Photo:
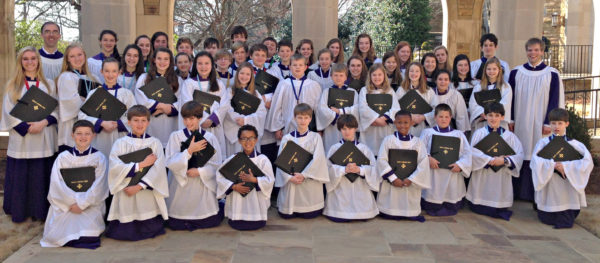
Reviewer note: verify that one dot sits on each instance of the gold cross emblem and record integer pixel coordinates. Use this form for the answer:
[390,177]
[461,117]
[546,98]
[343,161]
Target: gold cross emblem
[495,150]
[79,186]
[561,155]
[380,108]
[104,107]
[295,160]
[403,166]
[35,107]
[342,103]
[159,95]
[350,160]
[445,151]
[414,106]
[243,107]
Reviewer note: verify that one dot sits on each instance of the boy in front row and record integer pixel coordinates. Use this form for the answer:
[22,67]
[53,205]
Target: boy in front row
[560,196]
[398,198]
[301,193]
[76,219]
[137,212]
[447,191]
[491,193]
[193,190]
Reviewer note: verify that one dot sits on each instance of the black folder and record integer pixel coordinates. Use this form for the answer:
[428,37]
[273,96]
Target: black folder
[486,97]
[380,103]
[340,98]
[243,102]
[559,150]
[395,86]
[265,83]
[414,103]
[198,159]
[403,162]
[205,99]
[466,94]
[35,105]
[79,179]
[356,84]
[494,145]
[136,157]
[293,158]
[85,86]
[445,149]
[159,90]
[238,164]
[349,153]
[104,106]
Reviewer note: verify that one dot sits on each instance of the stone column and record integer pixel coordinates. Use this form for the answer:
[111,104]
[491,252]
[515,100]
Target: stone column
[116,15]
[514,22]
[316,20]
[154,15]
[461,36]
[7,42]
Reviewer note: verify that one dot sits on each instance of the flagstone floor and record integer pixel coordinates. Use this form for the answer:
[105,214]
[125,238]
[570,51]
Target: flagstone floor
[466,237]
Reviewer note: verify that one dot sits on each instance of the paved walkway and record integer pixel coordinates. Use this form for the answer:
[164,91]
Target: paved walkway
[466,237]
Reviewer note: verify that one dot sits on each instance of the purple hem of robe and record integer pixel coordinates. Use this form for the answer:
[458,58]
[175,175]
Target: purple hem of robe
[136,230]
[562,219]
[443,209]
[495,212]
[523,185]
[26,188]
[193,224]
[244,225]
[307,215]
[411,218]
[84,242]
[344,220]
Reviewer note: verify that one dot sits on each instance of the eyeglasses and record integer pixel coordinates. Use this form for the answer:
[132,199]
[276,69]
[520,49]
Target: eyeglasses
[247,139]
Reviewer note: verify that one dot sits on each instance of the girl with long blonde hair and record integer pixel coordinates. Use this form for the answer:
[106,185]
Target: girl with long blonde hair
[31,145]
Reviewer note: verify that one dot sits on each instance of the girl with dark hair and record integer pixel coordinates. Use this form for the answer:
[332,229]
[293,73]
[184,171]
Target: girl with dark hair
[132,66]
[429,62]
[204,79]
[108,48]
[164,116]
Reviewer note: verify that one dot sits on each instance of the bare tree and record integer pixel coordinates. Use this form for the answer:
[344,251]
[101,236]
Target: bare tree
[216,18]
[58,11]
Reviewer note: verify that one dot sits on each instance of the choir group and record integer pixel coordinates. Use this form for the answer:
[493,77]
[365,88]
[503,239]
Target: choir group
[184,141]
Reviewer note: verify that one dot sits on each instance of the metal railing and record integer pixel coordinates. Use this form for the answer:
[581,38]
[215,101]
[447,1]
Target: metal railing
[582,94]
[570,60]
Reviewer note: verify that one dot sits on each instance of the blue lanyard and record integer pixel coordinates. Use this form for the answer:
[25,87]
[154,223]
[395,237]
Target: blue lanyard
[130,86]
[297,95]
[88,84]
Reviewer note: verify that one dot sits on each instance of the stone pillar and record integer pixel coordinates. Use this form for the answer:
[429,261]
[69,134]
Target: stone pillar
[316,20]
[514,22]
[154,15]
[7,42]
[116,15]
[463,30]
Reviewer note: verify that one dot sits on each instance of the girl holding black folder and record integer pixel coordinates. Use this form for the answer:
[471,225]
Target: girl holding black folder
[107,132]
[374,126]
[461,77]
[244,82]
[204,79]
[414,79]
[164,116]
[31,145]
[491,79]
[68,84]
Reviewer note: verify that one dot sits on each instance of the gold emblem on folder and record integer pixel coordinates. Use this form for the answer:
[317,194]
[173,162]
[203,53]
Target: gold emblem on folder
[295,160]
[561,155]
[495,150]
[35,107]
[79,186]
[341,103]
[243,107]
[403,166]
[159,95]
[380,108]
[104,107]
[350,160]
[445,151]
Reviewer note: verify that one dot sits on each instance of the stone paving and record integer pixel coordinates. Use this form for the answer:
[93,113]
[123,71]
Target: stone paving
[466,237]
